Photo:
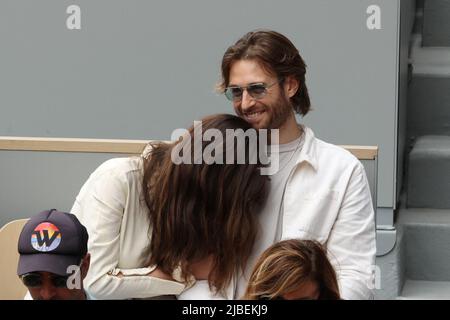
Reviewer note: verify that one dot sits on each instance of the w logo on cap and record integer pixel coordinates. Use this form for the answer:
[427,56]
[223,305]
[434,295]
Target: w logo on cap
[45,237]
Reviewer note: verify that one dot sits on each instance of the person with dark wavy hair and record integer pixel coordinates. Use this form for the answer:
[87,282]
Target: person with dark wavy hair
[320,190]
[157,226]
[293,270]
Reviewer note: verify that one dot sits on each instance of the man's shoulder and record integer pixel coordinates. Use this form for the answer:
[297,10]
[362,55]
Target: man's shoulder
[330,152]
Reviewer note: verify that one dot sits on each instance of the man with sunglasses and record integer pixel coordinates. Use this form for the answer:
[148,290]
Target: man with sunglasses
[53,257]
[320,190]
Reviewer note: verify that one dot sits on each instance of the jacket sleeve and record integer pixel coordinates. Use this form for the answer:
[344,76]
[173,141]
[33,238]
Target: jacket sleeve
[100,207]
[351,244]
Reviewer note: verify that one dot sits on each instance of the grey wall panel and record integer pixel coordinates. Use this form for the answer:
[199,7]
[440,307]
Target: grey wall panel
[140,69]
[353,80]
[35,181]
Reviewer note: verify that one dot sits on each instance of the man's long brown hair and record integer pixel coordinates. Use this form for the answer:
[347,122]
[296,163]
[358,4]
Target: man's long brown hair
[284,266]
[198,210]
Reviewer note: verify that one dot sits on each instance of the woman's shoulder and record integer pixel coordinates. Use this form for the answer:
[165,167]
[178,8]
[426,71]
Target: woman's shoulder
[119,167]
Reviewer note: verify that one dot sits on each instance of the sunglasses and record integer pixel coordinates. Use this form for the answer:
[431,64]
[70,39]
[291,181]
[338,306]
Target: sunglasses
[255,90]
[34,280]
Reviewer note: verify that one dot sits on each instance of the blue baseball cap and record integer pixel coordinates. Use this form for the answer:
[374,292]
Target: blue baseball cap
[51,241]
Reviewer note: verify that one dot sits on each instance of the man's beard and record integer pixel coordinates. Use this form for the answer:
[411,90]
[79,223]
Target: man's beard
[278,112]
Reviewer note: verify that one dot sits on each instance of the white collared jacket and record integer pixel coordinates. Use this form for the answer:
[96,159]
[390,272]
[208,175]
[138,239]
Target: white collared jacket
[328,199]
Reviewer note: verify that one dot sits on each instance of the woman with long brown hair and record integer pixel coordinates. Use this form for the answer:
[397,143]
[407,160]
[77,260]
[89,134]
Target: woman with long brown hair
[293,270]
[155,225]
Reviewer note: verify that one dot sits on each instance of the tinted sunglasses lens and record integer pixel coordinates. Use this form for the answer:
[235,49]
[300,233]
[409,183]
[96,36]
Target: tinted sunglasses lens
[257,90]
[233,93]
[59,281]
[32,280]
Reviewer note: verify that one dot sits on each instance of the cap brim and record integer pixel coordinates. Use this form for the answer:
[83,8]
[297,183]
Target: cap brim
[45,262]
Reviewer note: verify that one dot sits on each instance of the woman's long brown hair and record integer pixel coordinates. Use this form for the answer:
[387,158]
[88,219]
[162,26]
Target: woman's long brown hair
[198,210]
[284,266]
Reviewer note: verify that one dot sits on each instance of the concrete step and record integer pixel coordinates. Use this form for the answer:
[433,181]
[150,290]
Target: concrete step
[428,106]
[419,265]
[436,23]
[428,184]
[428,60]
[426,237]
[425,290]
[429,90]
[420,258]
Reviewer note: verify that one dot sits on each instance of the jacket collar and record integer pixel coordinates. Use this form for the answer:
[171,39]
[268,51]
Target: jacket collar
[308,153]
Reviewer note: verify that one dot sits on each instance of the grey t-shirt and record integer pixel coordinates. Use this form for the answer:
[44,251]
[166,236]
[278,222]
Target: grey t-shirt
[271,216]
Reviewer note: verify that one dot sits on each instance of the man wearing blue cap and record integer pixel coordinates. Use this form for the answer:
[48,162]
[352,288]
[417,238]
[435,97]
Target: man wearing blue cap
[53,256]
